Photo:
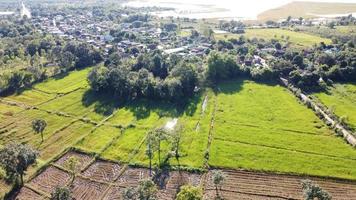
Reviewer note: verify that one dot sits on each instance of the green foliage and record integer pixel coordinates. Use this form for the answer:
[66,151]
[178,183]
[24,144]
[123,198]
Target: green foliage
[222,67]
[72,164]
[313,191]
[39,125]
[146,190]
[15,159]
[218,178]
[147,76]
[61,193]
[341,97]
[189,192]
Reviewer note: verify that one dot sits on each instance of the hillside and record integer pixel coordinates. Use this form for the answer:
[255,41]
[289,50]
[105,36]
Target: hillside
[307,10]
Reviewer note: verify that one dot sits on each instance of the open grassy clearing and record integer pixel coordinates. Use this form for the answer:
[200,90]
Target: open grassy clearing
[297,39]
[257,130]
[341,99]
[65,84]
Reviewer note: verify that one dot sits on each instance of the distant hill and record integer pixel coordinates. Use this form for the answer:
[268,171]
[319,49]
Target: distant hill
[307,10]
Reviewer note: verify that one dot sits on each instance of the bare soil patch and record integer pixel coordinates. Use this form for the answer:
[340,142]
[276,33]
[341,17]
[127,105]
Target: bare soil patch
[49,179]
[273,186]
[132,177]
[26,194]
[83,159]
[114,193]
[177,179]
[87,189]
[103,171]
[93,184]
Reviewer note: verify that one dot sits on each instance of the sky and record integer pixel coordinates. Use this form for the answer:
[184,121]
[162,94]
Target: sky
[243,8]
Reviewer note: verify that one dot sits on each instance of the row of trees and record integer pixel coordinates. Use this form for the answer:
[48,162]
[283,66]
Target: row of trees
[152,76]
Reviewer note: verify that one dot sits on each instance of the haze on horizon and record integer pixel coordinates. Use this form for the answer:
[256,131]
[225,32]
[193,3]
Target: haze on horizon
[219,8]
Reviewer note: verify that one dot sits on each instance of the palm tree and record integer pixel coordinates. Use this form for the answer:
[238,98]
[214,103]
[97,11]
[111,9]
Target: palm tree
[159,135]
[149,149]
[39,125]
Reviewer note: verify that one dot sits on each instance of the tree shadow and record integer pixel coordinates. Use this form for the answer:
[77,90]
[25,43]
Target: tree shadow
[105,104]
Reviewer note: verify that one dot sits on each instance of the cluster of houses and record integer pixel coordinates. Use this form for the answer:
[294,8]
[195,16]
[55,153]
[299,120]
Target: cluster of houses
[97,33]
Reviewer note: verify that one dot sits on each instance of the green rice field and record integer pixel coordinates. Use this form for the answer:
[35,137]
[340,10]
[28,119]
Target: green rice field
[341,99]
[250,125]
[265,128]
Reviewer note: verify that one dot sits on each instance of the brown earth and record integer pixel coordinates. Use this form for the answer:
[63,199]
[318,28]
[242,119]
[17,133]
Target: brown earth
[103,171]
[258,185]
[83,159]
[108,180]
[49,179]
[27,194]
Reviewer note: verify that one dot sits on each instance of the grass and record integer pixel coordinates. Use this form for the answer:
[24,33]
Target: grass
[122,149]
[8,111]
[297,39]
[263,127]
[73,81]
[194,137]
[30,97]
[341,99]
[257,126]
[99,139]
[71,103]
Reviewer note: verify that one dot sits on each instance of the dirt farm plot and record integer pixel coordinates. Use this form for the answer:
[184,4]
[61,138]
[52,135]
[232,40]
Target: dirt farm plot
[107,180]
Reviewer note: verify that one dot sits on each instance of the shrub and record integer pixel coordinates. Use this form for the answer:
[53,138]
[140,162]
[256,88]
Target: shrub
[189,192]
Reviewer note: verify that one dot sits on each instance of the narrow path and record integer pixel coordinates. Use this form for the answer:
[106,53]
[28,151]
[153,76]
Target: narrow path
[348,136]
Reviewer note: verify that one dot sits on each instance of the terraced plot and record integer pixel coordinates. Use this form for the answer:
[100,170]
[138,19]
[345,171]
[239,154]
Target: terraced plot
[342,100]
[263,127]
[8,110]
[194,124]
[107,180]
[74,80]
[30,97]
[100,139]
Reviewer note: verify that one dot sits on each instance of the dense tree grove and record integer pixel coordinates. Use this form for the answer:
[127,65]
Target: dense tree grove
[151,75]
[222,67]
[26,56]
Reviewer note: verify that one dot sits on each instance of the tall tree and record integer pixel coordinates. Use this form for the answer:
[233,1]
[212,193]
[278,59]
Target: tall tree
[218,179]
[149,150]
[159,136]
[15,159]
[39,125]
